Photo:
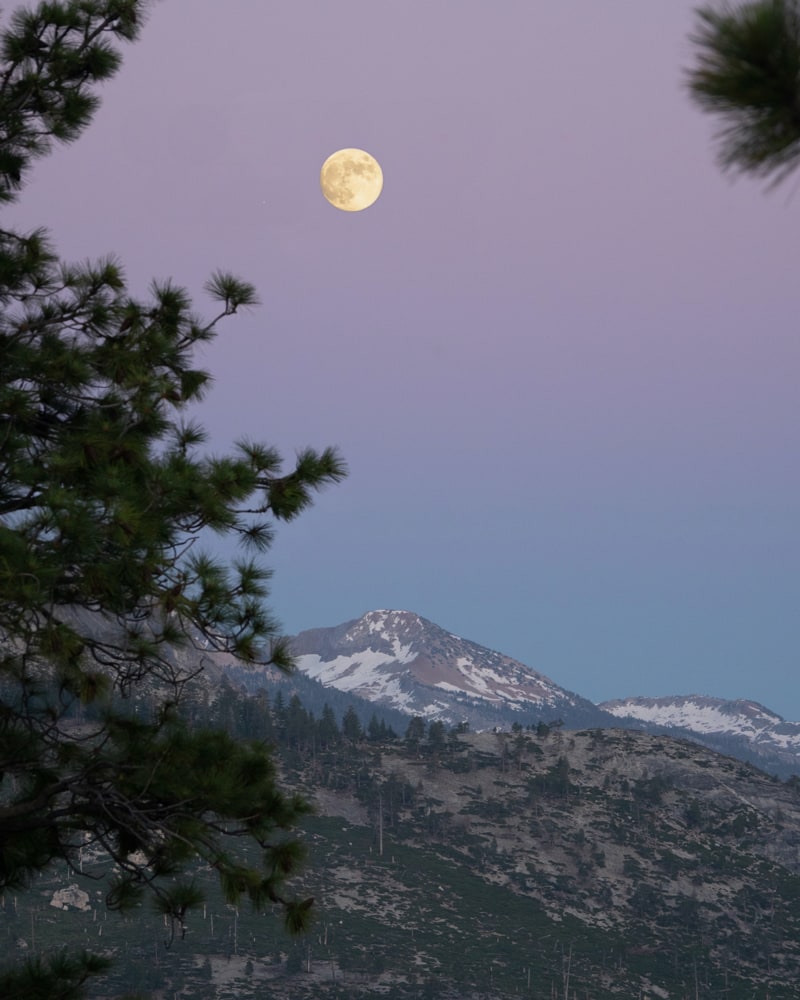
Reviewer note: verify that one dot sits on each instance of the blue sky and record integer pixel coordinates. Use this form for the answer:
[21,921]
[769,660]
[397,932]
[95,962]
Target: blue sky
[560,353]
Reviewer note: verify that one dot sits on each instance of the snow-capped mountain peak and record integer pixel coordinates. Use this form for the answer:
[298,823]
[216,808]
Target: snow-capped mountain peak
[402,660]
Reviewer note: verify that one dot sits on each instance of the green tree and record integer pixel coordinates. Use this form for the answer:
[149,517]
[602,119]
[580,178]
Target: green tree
[328,733]
[105,597]
[747,74]
[374,732]
[436,734]
[299,724]
[256,718]
[415,731]
[351,726]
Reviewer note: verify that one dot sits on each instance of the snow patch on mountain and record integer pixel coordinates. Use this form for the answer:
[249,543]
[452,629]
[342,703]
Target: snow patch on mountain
[403,661]
[696,712]
[398,658]
[362,670]
[712,717]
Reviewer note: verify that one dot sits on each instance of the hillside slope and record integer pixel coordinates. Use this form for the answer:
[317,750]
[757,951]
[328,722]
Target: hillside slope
[647,860]
[739,727]
[401,662]
[601,863]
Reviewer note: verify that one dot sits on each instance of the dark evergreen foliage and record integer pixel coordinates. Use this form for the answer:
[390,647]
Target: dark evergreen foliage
[351,726]
[747,73]
[315,696]
[60,977]
[105,493]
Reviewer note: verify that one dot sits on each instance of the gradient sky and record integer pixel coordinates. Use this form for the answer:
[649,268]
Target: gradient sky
[561,353]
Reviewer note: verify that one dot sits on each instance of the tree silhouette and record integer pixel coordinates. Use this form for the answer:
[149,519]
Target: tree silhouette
[747,74]
[106,601]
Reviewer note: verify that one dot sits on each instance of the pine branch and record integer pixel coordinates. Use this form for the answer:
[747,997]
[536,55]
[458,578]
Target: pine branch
[748,75]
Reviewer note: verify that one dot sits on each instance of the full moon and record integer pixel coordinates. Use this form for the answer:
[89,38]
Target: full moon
[351,179]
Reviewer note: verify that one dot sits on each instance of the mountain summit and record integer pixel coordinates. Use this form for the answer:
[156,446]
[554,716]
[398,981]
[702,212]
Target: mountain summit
[398,659]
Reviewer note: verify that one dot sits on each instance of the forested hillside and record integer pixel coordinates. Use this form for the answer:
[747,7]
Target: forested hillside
[538,863]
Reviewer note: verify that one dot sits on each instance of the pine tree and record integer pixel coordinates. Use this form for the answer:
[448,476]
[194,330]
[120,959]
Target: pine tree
[747,73]
[105,597]
[415,732]
[328,734]
[351,726]
[373,729]
[436,734]
[299,725]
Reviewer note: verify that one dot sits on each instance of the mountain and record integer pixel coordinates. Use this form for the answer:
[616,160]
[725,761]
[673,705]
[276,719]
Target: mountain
[400,660]
[737,727]
[594,863]
[602,865]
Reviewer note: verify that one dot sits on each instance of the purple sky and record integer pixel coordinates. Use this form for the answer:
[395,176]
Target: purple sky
[561,352]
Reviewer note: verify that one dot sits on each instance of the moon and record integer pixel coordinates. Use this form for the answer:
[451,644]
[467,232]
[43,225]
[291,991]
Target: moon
[351,179]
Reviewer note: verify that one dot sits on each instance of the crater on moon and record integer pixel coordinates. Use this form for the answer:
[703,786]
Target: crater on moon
[351,179]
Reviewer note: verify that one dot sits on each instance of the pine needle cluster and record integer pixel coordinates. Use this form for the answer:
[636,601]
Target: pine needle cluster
[747,74]
[106,495]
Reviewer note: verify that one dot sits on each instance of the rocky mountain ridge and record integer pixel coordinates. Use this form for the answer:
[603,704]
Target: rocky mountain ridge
[606,864]
[738,726]
[399,660]
[704,714]
[632,862]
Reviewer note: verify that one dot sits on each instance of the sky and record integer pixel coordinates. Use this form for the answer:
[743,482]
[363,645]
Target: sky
[560,353]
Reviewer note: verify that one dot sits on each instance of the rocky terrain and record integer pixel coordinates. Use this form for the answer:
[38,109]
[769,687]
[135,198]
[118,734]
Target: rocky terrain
[535,858]
[399,661]
[742,728]
[662,856]
[541,863]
